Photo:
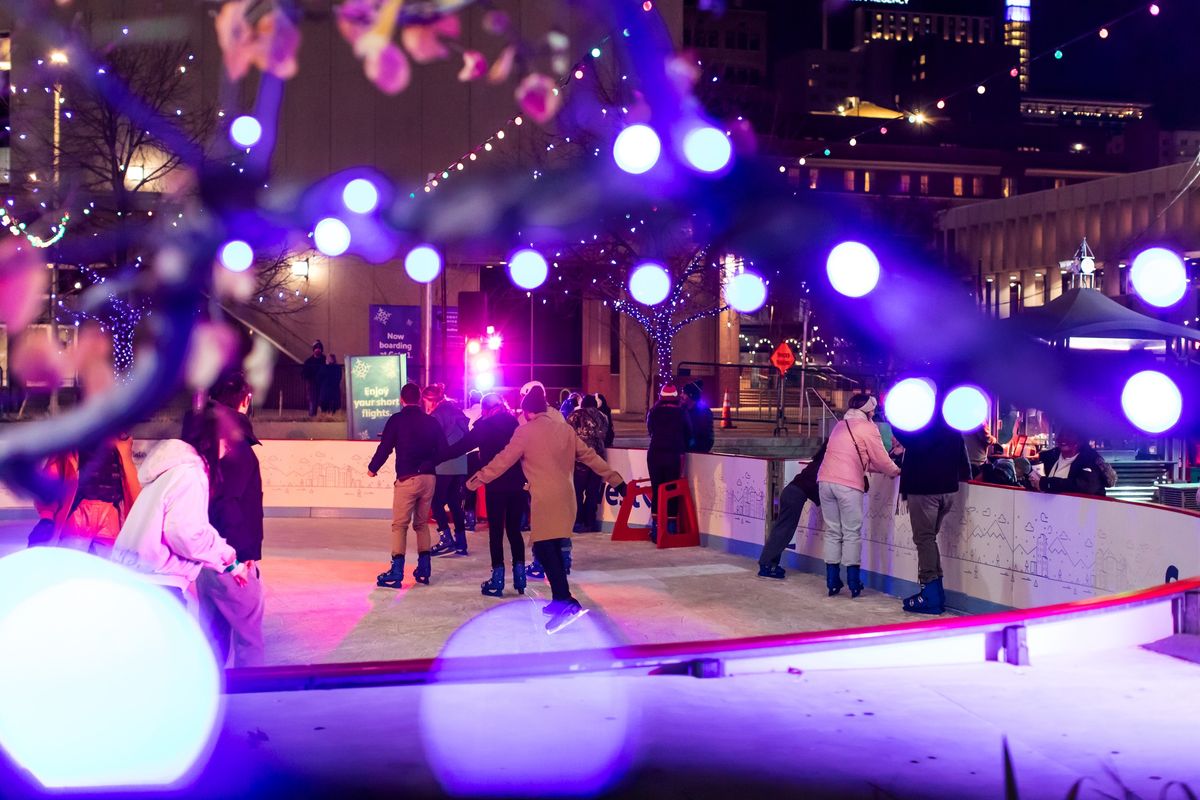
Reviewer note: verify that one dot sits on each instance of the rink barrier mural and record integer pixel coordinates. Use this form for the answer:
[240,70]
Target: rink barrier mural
[1001,548]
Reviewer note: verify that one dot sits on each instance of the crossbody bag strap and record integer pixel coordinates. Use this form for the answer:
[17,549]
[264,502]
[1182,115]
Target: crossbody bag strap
[850,430]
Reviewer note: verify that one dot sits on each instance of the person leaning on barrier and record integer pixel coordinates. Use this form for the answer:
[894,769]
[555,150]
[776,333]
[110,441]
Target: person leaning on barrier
[791,503]
[935,463]
[1074,467]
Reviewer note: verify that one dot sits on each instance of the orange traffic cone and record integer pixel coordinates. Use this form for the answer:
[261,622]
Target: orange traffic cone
[726,412]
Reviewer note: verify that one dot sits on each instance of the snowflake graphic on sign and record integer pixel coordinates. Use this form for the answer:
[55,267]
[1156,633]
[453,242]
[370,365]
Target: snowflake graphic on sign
[361,369]
[391,369]
[382,316]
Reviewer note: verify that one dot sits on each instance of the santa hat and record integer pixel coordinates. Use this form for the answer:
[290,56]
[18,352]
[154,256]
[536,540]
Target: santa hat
[669,391]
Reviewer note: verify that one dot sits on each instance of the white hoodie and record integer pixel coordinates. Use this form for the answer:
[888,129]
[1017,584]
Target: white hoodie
[167,533]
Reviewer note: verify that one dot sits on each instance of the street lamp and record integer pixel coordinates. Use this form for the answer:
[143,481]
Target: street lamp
[57,58]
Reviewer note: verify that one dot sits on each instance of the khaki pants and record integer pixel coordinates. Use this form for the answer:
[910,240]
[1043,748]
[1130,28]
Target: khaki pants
[411,501]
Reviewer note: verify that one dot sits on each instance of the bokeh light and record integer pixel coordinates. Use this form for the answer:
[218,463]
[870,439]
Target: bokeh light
[707,149]
[1152,401]
[245,131]
[853,269]
[146,716]
[746,293]
[1159,277]
[423,263]
[911,403]
[649,283]
[528,269]
[360,196]
[965,408]
[636,149]
[331,236]
[237,256]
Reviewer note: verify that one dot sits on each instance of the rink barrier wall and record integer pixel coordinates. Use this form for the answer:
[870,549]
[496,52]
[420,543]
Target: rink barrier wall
[1001,548]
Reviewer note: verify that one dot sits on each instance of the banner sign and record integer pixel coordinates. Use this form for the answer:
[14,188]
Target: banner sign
[395,331]
[373,393]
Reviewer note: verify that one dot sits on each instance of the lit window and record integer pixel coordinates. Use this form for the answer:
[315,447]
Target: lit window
[848,180]
[866,181]
[924,184]
[905,184]
[958,186]
[977,186]
[814,178]
[1006,187]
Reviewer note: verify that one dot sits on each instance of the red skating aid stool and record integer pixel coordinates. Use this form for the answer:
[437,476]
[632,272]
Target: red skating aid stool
[622,530]
[687,528]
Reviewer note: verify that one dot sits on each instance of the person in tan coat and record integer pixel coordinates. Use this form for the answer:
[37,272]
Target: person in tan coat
[547,449]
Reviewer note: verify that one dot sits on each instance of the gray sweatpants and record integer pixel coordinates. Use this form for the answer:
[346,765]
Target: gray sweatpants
[842,511]
[233,614]
[926,513]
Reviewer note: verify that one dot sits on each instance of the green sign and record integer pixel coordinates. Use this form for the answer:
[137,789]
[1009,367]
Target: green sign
[373,393]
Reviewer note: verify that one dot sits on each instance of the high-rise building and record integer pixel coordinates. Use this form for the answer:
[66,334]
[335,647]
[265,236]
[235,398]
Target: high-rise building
[1016,34]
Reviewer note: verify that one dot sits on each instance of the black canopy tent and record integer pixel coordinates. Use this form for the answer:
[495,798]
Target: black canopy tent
[1088,313]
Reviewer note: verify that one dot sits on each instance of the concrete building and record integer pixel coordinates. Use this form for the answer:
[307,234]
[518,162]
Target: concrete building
[1011,251]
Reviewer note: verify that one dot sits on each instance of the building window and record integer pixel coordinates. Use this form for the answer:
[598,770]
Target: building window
[728,40]
[958,186]
[905,184]
[924,184]
[848,180]
[1007,189]
[922,61]
[814,178]
[977,186]
[1060,183]
[866,181]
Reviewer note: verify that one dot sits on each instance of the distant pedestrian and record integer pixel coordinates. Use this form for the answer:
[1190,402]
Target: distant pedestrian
[935,463]
[505,496]
[547,449]
[233,610]
[791,503]
[700,416]
[417,439]
[670,431]
[331,385]
[311,371]
[590,426]
[977,442]
[1073,467]
[853,450]
[448,497]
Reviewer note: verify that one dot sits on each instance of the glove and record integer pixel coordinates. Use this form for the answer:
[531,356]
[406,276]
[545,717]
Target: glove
[622,488]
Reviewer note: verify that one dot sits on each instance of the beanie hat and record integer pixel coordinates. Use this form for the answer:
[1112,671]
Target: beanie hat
[534,402]
[669,391]
[525,389]
[692,390]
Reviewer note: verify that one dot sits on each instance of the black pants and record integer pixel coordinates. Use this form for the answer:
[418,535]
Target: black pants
[549,554]
[664,467]
[589,489]
[791,503]
[448,492]
[311,394]
[473,466]
[504,510]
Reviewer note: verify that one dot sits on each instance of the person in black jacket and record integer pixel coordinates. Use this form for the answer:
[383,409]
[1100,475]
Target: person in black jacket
[935,462]
[233,608]
[670,433]
[331,386]
[504,497]
[417,439]
[605,409]
[701,418]
[791,503]
[310,372]
[1074,467]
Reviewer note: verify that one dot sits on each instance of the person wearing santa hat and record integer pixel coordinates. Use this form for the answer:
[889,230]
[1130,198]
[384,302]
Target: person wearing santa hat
[670,432]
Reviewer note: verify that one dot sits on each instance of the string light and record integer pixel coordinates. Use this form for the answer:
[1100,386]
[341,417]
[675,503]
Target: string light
[18,229]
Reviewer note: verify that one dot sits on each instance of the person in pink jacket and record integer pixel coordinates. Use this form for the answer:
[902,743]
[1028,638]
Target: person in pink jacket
[854,449]
[166,534]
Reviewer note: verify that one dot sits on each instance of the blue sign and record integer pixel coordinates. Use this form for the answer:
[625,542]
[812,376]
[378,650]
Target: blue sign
[396,330]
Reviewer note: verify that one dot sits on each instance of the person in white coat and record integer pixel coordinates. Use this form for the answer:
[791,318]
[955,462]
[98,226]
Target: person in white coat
[166,534]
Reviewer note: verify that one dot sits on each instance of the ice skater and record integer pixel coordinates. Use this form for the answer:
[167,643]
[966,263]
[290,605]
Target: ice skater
[547,449]
[505,497]
[854,448]
[416,439]
[451,475]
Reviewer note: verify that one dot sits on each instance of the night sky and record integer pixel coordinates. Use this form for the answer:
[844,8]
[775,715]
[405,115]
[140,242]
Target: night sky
[1146,58]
